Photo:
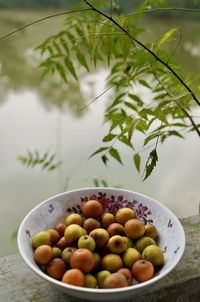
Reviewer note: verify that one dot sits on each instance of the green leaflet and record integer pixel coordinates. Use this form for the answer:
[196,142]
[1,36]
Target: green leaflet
[115,154]
[170,133]
[125,140]
[161,116]
[82,60]
[166,37]
[32,159]
[109,137]
[70,67]
[136,99]
[150,163]
[144,83]
[98,151]
[60,69]
[137,161]
[141,125]
[104,159]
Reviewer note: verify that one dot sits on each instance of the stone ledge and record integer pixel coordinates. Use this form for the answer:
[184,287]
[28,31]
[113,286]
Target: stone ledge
[19,284]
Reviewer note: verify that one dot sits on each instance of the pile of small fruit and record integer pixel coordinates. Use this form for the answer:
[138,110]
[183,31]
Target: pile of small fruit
[97,249]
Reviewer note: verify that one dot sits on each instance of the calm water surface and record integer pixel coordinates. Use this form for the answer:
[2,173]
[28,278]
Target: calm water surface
[45,116]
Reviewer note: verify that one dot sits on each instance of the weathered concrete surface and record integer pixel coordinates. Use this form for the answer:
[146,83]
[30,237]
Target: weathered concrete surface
[19,284]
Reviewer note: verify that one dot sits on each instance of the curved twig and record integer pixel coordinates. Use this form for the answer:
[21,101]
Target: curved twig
[42,19]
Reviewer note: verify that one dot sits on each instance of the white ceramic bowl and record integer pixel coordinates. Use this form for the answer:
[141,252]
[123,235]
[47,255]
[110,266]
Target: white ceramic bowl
[56,208]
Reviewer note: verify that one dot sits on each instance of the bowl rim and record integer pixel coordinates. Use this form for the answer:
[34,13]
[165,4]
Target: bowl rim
[133,287]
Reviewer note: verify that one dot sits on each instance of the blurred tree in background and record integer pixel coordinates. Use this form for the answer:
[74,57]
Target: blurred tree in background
[124,5]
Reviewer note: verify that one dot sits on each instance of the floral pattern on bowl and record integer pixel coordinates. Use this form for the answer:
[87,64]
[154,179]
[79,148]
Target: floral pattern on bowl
[113,204]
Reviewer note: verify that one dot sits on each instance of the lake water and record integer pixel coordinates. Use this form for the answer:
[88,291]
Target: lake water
[40,115]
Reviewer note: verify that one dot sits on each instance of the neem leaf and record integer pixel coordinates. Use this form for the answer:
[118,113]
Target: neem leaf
[137,161]
[99,151]
[144,83]
[150,163]
[125,140]
[104,159]
[109,137]
[115,154]
[166,36]
[61,71]
[70,67]
[82,60]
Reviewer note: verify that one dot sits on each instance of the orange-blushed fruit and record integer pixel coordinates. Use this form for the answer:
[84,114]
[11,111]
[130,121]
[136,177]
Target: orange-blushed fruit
[115,280]
[43,254]
[134,228]
[91,224]
[100,237]
[83,259]
[60,228]
[54,235]
[127,273]
[74,276]
[92,209]
[124,214]
[142,270]
[62,243]
[115,228]
[56,268]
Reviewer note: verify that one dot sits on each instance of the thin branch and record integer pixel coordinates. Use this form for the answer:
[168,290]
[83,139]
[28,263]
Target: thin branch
[43,19]
[179,9]
[101,94]
[147,49]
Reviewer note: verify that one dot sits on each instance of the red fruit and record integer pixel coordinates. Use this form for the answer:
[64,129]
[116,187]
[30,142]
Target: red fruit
[142,270]
[115,228]
[82,259]
[92,209]
[56,268]
[74,276]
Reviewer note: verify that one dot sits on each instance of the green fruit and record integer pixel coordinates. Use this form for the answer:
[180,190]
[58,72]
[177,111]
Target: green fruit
[124,214]
[86,242]
[57,252]
[41,238]
[129,242]
[111,262]
[90,281]
[153,254]
[97,259]
[107,219]
[144,242]
[74,218]
[151,231]
[66,254]
[73,232]
[117,244]
[130,256]
[101,276]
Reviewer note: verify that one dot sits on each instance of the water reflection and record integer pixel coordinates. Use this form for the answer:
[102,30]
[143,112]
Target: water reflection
[19,61]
